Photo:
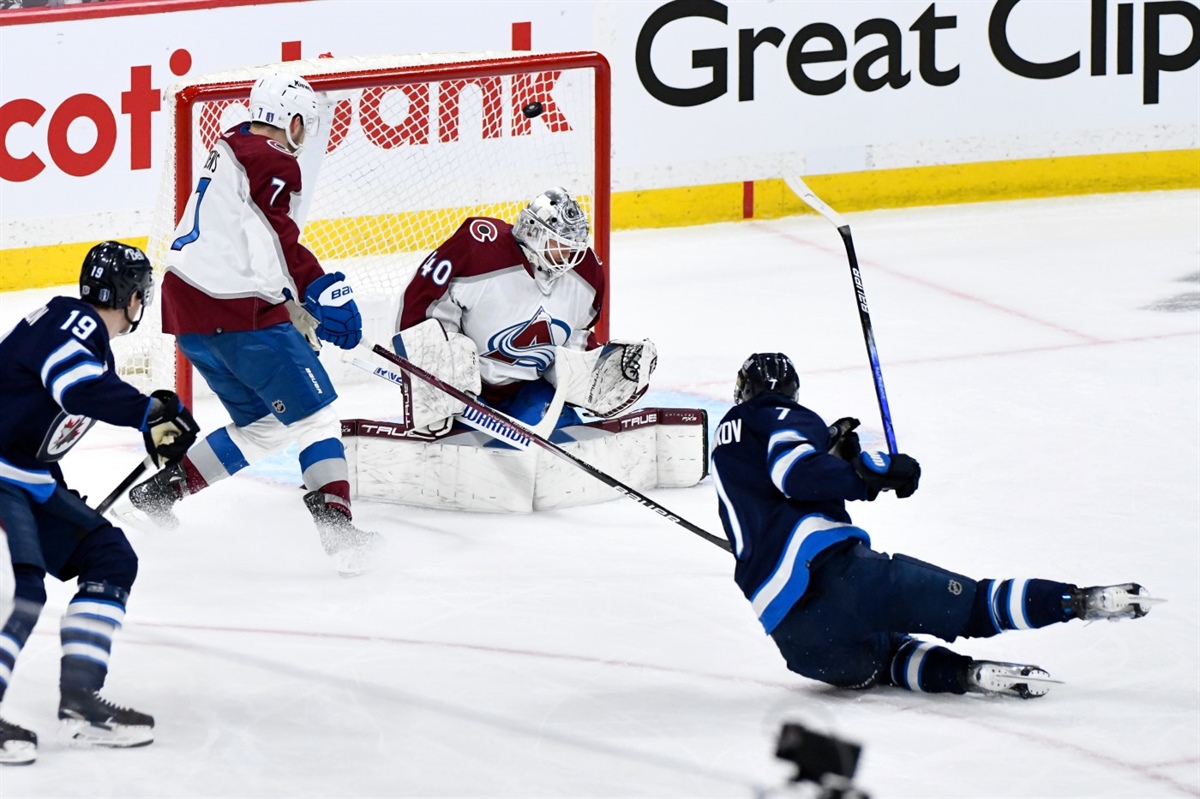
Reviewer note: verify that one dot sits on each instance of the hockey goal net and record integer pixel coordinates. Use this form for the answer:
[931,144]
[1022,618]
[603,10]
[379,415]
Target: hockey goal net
[408,147]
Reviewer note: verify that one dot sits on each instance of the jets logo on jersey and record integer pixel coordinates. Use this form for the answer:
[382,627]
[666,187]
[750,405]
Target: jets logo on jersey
[530,344]
[63,434]
[483,231]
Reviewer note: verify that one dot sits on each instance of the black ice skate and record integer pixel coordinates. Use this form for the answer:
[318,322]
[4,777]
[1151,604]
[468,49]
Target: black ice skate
[91,720]
[1011,679]
[157,496]
[1112,602]
[351,549]
[18,746]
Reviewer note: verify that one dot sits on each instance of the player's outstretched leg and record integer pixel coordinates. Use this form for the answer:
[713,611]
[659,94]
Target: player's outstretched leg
[930,668]
[352,549]
[18,746]
[1111,602]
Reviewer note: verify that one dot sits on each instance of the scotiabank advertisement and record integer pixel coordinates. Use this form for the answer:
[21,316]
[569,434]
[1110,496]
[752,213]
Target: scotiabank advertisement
[703,91]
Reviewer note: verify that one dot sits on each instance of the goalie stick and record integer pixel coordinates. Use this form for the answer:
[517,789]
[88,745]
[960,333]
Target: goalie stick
[801,190]
[511,432]
[124,485]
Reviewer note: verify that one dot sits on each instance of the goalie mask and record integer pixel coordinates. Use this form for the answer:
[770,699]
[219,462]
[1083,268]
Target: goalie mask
[112,273]
[277,99]
[766,373]
[553,231]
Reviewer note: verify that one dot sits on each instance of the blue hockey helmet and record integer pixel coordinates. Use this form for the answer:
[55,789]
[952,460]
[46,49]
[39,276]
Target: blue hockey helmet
[767,373]
[112,273]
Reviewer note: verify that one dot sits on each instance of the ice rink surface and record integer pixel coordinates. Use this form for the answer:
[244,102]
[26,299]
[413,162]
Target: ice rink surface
[1042,360]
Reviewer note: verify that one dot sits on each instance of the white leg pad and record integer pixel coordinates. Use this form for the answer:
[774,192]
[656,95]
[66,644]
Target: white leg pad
[647,449]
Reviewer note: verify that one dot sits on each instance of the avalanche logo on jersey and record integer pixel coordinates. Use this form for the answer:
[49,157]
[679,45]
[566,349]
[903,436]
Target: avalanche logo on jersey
[529,344]
[483,231]
[64,433]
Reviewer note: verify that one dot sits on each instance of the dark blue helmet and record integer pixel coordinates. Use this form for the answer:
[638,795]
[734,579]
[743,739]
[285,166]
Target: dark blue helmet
[113,272]
[767,373]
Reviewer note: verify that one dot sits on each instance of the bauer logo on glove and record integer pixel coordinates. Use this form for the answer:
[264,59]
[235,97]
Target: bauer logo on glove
[331,300]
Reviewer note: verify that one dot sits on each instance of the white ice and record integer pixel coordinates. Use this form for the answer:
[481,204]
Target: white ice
[1042,360]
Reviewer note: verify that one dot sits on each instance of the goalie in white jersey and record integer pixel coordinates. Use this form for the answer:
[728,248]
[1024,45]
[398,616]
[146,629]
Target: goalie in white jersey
[506,312]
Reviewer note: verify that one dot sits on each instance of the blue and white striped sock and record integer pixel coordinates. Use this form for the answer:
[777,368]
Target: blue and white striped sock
[92,617]
[926,667]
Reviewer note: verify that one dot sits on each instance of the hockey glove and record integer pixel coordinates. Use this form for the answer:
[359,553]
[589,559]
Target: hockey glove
[169,430]
[331,300]
[843,441]
[884,472]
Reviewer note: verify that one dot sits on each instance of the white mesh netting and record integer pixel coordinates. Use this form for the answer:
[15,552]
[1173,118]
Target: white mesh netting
[412,145]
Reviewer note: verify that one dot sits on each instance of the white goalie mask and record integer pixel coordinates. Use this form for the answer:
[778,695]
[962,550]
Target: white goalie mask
[276,99]
[553,231]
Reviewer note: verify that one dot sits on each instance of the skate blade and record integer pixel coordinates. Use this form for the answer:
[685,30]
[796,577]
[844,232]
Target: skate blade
[127,516]
[18,753]
[1037,678]
[80,733]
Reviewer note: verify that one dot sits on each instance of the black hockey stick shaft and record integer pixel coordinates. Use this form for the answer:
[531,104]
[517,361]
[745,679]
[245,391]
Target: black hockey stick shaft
[801,190]
[124,485]
[504,423]
[864,317]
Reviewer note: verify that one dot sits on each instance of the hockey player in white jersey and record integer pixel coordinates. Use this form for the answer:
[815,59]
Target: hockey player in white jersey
[507,311]
[235,261]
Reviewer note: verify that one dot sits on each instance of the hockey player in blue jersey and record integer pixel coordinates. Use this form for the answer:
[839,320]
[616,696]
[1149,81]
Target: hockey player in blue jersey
[56,377]
[839,611]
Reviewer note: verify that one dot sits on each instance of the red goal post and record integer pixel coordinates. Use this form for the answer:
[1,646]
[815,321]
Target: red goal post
[408,147]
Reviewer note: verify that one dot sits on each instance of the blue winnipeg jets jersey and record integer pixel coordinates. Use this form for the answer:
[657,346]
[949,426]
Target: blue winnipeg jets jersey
[782,498]
[56,378]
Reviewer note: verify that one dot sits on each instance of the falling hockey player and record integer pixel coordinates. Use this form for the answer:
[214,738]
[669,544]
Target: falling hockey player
[57,377]
[839,611]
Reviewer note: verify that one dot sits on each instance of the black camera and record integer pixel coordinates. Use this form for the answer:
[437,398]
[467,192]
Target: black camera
[823,760]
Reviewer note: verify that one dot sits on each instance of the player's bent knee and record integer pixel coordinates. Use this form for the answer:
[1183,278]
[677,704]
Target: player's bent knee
[320,426]
[106,556]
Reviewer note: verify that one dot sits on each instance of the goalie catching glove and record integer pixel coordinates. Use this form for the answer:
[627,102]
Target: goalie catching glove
[169,430]
[331,300]
[608,379]
[451,357]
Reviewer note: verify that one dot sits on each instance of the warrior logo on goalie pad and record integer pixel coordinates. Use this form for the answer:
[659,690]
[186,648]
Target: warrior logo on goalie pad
[530,344]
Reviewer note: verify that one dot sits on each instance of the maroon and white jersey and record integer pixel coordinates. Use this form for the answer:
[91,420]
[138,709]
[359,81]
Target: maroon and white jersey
[237,247]
[480,283]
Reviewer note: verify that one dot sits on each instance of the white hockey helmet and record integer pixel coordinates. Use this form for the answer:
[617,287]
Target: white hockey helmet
[276,99]
[553,231]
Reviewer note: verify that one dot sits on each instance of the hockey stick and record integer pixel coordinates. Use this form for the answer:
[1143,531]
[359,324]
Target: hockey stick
[801,190]
[124,485]
[515,434]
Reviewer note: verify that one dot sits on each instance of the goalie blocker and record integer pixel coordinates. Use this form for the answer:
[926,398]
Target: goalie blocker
[649,448]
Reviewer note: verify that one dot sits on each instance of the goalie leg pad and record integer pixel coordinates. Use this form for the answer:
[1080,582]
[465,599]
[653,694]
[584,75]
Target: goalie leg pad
[432,474]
